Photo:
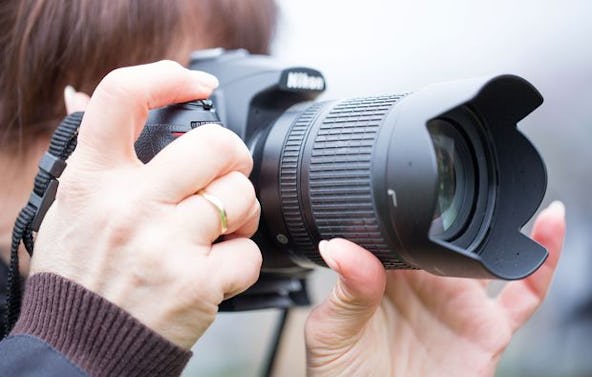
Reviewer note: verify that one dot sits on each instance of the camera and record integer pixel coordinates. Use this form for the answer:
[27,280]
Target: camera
[439,179]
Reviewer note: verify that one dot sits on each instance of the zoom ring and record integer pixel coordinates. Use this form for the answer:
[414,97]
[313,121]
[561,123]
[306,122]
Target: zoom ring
[340,181]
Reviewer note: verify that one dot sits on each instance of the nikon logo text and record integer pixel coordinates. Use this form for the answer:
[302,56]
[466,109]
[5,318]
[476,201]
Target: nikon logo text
[302,80]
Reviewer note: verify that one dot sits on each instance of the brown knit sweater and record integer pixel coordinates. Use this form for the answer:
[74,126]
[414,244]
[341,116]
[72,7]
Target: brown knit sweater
[99,337]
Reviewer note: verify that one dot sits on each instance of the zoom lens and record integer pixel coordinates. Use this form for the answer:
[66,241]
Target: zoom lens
[435,180]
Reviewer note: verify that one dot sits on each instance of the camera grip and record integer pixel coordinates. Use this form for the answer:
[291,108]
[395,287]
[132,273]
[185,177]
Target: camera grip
[164,125]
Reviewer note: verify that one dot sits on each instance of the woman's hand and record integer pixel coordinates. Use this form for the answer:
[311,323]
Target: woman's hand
[412,323]
[140,235]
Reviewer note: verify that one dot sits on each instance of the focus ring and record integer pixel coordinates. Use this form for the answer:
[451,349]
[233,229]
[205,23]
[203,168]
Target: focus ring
[290,164]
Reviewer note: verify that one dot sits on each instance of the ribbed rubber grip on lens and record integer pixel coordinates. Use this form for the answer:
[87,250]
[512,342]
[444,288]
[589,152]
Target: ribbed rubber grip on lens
[290,166]
[339,177]
[326,177]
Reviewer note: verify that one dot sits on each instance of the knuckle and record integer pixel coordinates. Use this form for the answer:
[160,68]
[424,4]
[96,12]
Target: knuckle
[251,262]
[169,64]
[217,135]
[113,78]
[255,210]
[258,257]
[226,143]
[244,157]
[255,260]
[147,266]
[201,292]
[124,218]
[125,213]
[242,185]
[254,217]
[115,86]
[251,222]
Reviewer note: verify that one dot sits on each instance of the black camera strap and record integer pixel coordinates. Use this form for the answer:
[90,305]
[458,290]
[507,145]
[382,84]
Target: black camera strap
[51,166]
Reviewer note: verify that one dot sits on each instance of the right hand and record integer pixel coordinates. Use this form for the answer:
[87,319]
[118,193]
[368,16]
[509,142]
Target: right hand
[139,235]
[413,323]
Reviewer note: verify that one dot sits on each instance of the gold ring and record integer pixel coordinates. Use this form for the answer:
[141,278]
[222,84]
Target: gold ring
[219,206]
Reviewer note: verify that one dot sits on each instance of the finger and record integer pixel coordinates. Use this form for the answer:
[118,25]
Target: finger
[237,264]
[250,224]
[520,299]
[119,106]
[75,101]
[193,160]
[354,299]
[202,218]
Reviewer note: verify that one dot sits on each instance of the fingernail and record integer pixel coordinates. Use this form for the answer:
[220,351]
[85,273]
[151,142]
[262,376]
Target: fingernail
[558,207]
[325,251]
[323,246]
[69,93]
[206,79]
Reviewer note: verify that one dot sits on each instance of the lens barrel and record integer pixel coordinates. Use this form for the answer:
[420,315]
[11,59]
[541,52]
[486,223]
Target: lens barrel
[325,176]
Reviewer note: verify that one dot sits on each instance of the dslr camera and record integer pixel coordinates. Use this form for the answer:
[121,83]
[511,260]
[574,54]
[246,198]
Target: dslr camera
[439,179]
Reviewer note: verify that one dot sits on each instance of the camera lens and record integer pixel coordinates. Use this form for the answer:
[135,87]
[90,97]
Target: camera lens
[456,187]
[435,179]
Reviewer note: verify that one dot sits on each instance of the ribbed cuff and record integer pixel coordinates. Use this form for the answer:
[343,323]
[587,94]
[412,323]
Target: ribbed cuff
[95,334]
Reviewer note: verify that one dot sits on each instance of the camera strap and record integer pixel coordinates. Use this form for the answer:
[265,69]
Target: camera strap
[51,166]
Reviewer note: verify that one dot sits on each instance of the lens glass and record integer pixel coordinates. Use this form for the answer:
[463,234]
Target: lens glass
[444,148]
[455,187]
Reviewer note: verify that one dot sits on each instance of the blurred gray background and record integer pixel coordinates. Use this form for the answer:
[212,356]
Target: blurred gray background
[390,46]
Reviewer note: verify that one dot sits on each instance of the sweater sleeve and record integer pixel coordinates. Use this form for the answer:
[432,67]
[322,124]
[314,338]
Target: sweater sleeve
[93,333]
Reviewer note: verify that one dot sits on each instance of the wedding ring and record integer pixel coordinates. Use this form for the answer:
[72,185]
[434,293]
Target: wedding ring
[219,207]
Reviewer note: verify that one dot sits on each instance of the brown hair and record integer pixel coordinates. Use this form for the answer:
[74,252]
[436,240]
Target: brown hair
[48,44]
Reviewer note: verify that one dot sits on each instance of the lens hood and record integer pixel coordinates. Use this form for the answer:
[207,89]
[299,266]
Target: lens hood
[510,185]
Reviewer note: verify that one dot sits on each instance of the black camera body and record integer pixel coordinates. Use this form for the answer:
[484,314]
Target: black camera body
[439,179]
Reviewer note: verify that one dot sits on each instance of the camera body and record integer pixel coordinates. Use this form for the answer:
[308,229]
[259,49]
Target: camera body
[439,179]
[252,95]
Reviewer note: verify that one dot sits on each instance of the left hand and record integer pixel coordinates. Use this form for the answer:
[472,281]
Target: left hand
[412,323]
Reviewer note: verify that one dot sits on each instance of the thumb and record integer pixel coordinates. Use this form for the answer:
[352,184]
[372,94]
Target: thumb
[75,101]
[340,319]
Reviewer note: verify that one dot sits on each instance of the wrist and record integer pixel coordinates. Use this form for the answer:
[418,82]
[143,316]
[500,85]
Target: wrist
[95,334]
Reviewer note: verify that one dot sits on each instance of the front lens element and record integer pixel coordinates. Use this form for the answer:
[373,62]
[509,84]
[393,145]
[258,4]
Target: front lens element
[444,148]
[455,188]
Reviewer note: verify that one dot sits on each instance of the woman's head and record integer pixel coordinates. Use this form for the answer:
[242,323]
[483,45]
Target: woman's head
[46,45]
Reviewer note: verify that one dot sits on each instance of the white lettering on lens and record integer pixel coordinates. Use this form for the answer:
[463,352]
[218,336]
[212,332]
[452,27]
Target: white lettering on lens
[302,80]
[393,195]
